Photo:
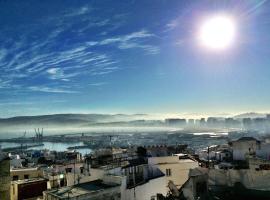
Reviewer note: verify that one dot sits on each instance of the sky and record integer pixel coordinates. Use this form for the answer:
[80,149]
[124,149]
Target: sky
[137,56]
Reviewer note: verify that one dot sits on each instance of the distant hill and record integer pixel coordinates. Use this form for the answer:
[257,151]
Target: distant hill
[68,119]
[250,115]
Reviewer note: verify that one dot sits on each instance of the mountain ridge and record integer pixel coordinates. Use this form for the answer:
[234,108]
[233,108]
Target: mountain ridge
[69,119]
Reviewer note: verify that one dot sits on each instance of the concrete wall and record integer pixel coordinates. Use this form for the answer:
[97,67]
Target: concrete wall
[106,194]
[179,168]
[94,175]
[264,151]
[16,162]
[31,172]
[145,191]
[251,179]
[241,148]
[27,190]
[4,179]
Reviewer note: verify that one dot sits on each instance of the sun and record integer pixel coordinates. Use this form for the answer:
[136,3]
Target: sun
[217,32]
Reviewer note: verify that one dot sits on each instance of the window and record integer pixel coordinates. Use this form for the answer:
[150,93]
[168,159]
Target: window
[168,172]
[68,170]
[15,178]
[130,170]
[137,169]
[82,169]
[26,176]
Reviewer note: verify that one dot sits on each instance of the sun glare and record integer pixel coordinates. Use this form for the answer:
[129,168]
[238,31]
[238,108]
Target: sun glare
[217,32]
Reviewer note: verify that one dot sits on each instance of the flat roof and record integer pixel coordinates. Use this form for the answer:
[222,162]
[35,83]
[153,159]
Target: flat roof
[81,189]
[32,180]
[24,169]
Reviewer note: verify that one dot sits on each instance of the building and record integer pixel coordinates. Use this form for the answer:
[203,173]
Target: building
[244,146]
[232,123]
[191,122]
[27,189]
[176,168]
[143,181]
[212,122]
[16,161]
[25,173]
[175,122]
[264,151]
[247,123]
[93,190]
[202,122]
[4,176]
[164,150]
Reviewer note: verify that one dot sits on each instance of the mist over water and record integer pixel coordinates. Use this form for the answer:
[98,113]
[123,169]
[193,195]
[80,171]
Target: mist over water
[30,132]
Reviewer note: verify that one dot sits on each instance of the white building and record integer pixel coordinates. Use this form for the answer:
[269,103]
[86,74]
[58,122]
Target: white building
[264,151]
[142,181]
[176,168]
[244,146]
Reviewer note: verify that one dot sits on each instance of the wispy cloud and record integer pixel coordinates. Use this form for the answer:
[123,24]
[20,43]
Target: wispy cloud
[172,25]
[79,11]
[130,41]
[36,59]
[180,42]
[98,84]
[58,73]
[50,89]
[5,83]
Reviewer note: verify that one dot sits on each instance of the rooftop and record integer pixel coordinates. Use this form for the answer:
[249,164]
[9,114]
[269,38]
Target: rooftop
[81,189]
[247,139]
[32,180]
[24,169]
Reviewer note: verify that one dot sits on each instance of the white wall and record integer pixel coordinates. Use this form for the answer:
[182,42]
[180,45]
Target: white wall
[241,148]
[145,191]
[94,175]
[16,163]
[179,168]
[264,151]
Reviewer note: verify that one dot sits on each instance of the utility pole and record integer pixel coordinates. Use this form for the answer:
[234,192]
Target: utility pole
[208,159]
[134,182]
[74,171]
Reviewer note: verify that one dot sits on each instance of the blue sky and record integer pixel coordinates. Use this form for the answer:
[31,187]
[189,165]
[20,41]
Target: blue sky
[134,56]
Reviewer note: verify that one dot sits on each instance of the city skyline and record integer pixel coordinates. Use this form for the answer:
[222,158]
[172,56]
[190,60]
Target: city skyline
[131,57]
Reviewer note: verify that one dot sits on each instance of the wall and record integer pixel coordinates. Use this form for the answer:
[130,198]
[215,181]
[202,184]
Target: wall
[179,168]
[106,194]
[264,151]
[16,162]
[241,148]
[251,179]
[145,191]
[31,172]
[27,189]
[94,175]
[4,179]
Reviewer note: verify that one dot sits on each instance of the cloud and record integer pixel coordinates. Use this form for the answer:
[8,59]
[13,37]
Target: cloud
[5,83]
[180,42]
[78,11]
[130,41]
[127,38]
[58,73]
[3,54]
[50,90]
[15,103]
[171,25]
[98,84]
[43,54]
